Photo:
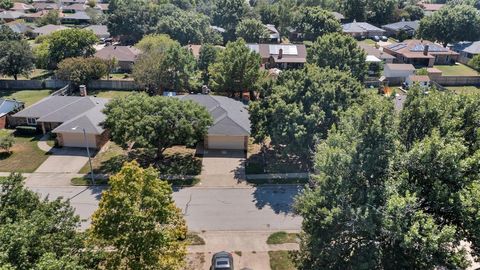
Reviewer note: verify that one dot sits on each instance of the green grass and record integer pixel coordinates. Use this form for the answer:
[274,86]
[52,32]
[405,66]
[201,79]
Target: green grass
[288,181]
[86,181]
[120,76]
[194,239]
[456,70]
[35,74]
[282,238]
[281,260]
[106,162]
[24,156]
[369,42]
[109,93]
[27,96]
[464,89]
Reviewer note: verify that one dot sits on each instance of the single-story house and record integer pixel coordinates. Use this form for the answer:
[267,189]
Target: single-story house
[430,8]
[274,35]
[79,17]
[467,50]
[7,108]
[362,30]
[231,123]
[46,6]
[398,73]
[102,6]
[125,55]
[409,27]
[10,16]
[421,53]
[377,53]
[21,7]
[33,17]
[67,117]
[74,8]
[71,2]
[19,28]
[281,55]
[422,80]
[338,16]
[48,29]
[101,31]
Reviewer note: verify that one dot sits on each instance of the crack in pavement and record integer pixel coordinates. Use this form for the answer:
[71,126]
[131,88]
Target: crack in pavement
[187,205]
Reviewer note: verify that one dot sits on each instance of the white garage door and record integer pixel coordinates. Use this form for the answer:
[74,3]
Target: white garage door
[78,140]
[226,142]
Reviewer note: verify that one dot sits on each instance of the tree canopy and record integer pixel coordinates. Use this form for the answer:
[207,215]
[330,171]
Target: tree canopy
[236,69]
[16,58]
[449,23]
[339,51]
[252,31]
[315,22]
[156,122]
[301,106]
[80,70]
[138,218]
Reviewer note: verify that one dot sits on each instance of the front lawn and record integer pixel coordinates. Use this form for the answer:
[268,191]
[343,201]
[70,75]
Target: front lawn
[24,156]
[27,96]
[282,238]
[456,70]
[464,89]
[281,260]
[178,160]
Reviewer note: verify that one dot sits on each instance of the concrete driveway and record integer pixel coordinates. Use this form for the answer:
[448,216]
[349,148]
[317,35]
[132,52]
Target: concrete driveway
[223,168]
[64,160]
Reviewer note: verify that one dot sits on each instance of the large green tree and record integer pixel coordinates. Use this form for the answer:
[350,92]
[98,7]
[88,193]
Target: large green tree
[228,13]
[301,106]
[65,44]
[449,23]
[6,34]
[339,51]
[237,69]
[355,9]
[137,217]
[362,212]
[169,70]
[381,12]
[151,43]
[16,58]
[208,55]
[156,122]
[6,4]
[252,31]
[36,233]
[315,22]
[80,70]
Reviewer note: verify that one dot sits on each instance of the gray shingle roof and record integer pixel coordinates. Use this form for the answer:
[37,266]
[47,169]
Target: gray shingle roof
[99,30]
[468,47]
[79,15]
[121,53]
[360,27]
[48,29]
[230,117]
[405,25]
[11,15]
[84,112]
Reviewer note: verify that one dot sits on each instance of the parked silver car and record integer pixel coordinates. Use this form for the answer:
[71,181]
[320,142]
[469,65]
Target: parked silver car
[222,261]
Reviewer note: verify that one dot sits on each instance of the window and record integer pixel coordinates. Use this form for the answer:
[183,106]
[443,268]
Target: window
[32,121]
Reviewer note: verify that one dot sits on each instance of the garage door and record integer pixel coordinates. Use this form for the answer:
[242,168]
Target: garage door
[226,142]
[78,140]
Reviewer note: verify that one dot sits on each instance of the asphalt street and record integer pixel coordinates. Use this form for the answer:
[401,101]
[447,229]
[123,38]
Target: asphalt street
[209,209]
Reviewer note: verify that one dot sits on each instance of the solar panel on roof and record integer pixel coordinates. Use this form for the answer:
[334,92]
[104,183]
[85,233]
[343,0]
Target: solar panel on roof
[431,48]
[287,49]
[396,47]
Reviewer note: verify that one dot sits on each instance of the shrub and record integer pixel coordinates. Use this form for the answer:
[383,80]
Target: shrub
[26,130]
[6,142]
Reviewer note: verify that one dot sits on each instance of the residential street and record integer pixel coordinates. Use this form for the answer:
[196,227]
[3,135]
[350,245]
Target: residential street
[220,209]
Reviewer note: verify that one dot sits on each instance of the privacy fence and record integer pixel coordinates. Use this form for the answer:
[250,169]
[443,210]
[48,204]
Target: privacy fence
[57,84]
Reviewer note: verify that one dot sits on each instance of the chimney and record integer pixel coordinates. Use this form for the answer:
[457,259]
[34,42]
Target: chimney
[83,90]
[425,49]
[280,54]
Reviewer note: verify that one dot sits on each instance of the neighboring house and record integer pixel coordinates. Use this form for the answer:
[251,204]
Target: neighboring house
[398,73]
[274,35]
[338,16]
[421,53]
[7,108]
[125,55]
[67,117]
[422,80]
[467,50]
[48,29]
[194,49]
[281,55]
[79,17]
[10,16]
[377,53]
[362,30]
[33,17]
[21,7]
[231,123]
[101,31]
[19,28]
[409,27]
[71,2]
[74,8]
[102,7]
[46,6]
[430,8]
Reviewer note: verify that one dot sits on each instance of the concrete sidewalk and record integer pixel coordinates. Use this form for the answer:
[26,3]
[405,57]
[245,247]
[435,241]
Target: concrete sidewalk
[249,249]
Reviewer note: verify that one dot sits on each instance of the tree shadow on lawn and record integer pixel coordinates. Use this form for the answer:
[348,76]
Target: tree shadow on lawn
[5,155]
[272,161]
[279,198]
[174,164]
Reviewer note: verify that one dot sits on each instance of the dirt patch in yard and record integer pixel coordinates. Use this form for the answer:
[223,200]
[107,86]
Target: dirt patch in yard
[196,261]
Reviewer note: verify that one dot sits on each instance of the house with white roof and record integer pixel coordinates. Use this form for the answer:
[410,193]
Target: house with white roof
[77,121]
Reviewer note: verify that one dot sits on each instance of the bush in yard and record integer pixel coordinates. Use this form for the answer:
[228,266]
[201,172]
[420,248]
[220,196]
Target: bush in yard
[26,130]
[475,62]
[6,142]
[80,70]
